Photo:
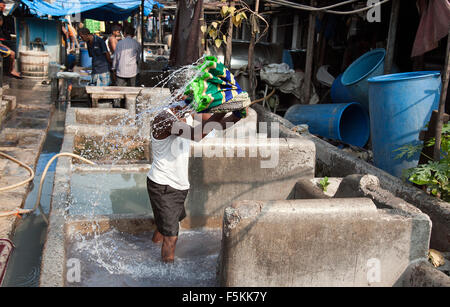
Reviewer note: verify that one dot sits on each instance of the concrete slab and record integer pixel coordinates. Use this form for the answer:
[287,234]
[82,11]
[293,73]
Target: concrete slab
[23,138]
[235,170]
[334,242]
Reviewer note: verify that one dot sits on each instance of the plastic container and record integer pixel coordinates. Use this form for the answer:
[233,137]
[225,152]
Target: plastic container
[86,60]
[347,122]
[71,58]
[339,93]
[324,77]
[356,76]
[400,107]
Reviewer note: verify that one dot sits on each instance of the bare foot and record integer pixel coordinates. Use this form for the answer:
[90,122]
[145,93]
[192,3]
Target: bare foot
[15,74]
[157,237]
[168,260]
[168,249]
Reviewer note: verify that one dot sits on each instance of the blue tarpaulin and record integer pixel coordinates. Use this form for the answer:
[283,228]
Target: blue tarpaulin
[105,10]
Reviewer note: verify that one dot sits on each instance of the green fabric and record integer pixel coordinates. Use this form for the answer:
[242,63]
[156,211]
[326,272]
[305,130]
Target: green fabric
[214,87]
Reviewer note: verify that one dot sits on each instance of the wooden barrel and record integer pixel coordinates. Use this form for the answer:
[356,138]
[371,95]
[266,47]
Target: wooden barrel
[34,64]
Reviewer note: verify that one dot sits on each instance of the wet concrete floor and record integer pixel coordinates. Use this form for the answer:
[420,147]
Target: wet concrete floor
[30,234]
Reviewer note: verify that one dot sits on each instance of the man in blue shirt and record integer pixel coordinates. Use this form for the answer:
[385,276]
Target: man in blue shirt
[101,59]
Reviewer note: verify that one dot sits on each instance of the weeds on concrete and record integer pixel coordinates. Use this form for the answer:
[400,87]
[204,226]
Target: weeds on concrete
[435,174]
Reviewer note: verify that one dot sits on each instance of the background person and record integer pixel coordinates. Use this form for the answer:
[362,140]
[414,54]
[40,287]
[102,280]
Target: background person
[111,44]
[113,39]
[6,52]
[72,33]
[126,59]
[101,58]
[8,26]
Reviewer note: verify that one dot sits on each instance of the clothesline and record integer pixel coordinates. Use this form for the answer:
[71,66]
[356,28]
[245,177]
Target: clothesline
[326,9]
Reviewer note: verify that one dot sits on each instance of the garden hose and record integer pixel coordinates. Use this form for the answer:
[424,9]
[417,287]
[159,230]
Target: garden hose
[18,212]
[24,166]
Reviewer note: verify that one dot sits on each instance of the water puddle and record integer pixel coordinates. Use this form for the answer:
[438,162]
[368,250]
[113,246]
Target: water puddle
[109,193]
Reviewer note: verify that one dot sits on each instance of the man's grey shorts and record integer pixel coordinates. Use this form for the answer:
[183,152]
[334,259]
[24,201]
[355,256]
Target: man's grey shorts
[168,207]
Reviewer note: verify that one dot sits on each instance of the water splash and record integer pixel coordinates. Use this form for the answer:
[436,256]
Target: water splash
[133,260]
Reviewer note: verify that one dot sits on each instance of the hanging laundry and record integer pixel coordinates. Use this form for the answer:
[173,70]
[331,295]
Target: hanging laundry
[216,89]
[434,25]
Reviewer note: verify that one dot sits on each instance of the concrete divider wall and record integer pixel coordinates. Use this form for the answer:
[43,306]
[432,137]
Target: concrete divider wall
[243,169]
[334,242]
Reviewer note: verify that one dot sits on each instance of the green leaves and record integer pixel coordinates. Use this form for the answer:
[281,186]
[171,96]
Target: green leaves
[433,175]
[324,183]
[237,19]
[214,29]
[408,150]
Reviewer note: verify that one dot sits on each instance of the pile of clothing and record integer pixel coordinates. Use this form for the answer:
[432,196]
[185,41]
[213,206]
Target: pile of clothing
[216,90]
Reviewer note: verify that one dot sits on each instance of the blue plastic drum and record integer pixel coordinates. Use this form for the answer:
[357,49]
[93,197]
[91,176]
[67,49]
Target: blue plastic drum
[355,78]
[86,60]
[400,108]
[347,122]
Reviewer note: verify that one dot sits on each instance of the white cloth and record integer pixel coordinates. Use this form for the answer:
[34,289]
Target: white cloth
[171,160]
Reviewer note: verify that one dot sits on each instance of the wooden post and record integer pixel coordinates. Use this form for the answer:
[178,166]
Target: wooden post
[160,30]
[310,54]
[295,32]
[390,49]
[251,50]
[202,35]
[142,33]
[229,47]
[244,30]
[274,29]
[440,122]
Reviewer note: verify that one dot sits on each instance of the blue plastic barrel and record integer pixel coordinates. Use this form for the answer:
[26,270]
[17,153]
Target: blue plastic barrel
[86,60]
[356,75]
[71,60]
[400,107]
[339,93]
[347,122]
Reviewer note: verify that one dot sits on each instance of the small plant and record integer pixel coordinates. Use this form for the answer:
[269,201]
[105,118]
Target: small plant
[236,13]
[433,175]
[324,183]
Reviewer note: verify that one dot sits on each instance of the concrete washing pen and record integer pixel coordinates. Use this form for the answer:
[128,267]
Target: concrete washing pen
[20,211]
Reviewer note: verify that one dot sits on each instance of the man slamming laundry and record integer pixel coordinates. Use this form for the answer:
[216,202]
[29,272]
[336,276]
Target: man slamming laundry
[209,98]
